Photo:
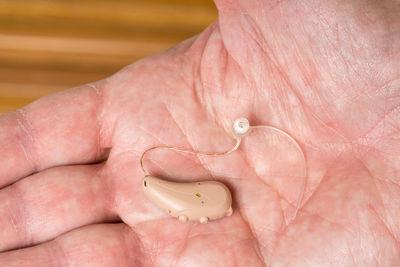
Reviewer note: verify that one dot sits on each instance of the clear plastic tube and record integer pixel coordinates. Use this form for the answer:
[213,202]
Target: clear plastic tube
[303,158]
[234,148]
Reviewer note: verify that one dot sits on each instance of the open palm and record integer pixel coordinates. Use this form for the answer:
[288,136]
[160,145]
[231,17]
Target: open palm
[327,72]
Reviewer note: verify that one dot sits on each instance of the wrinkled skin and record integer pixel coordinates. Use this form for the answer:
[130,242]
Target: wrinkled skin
[325,71]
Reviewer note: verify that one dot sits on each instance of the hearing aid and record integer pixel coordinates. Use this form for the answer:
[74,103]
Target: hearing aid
[203,201]
[196,201]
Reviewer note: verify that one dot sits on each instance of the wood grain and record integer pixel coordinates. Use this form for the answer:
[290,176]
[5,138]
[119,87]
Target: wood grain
[51,45]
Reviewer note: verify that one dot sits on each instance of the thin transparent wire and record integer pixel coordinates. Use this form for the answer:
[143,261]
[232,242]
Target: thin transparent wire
[234,148]
[304,181]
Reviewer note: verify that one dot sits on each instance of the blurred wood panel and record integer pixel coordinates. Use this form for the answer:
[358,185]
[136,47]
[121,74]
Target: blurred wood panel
[51,45]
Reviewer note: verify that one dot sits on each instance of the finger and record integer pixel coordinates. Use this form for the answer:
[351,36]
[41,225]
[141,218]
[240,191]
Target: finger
[94,245]
[60,129]
[52,202]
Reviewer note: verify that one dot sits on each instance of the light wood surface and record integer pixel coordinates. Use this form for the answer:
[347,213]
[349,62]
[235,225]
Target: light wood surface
[51,45]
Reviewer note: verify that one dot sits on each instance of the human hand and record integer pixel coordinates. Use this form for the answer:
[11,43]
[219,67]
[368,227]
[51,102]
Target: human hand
[325,71]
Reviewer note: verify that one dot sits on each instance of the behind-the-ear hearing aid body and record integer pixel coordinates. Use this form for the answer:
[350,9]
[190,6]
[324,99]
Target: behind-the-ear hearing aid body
[196,201]
[203,200]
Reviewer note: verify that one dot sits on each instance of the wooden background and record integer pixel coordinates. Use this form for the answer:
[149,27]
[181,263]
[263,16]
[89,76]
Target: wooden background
[51,45]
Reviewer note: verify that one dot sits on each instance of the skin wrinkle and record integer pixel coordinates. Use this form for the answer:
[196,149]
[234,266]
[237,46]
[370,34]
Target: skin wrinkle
[365,146]
[250,84]
[230,234]
[343,35]
[370,150]
[99,113]
[150,134]
[184,246]
[264,228]
[285,226]
[375,255]
[211,233]
[12,219]
[397,242]
[318,186]
[197,97]
[142,247]
[257,176]
[329,127]
[349,68]
[191,147]
[152,221]
[254,238]
[166,171]
[250,79]
[395,138]
[258,39]
[187,140]
[160,248]
[138,242]
[186,56]
[264,47]
[389,112]
[189,237]
[347,229]
[382,120]
[389,86]
[276,66]
[107,187]
[198,71]
[153,253]
[371,93]
[252,230]
[351,253]
[303,66]
[284,233]
[214,114]
[383,221]
[180,128]
[26,127]
[375,185]
[335,32]
[57,252]
[27,139]
[305,202]
[343,227]
[111,185]
[115,120]
[386,113]
[25,154]
[389,181]
[21,217]
[114,126]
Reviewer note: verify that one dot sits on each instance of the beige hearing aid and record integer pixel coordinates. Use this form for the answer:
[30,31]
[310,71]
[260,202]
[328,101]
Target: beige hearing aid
[197,201]
[206,200]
